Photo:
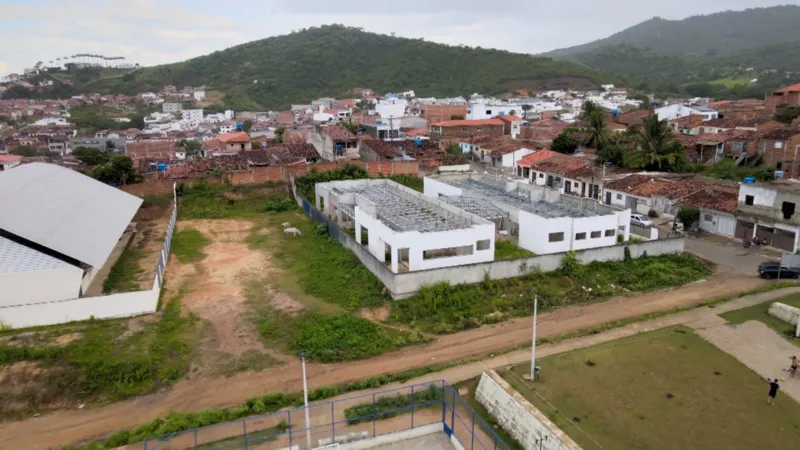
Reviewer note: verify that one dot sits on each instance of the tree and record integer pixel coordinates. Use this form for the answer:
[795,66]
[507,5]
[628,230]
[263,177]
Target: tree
[191,147]
[598,130]
[138,122]
[279,135]
[118,170]
[657,146]
[565,142]
[353,128]
[25,150]
[247,125]
[454,149]
[91,156]
[688,216]
[525,108]
[589,107]
[456,117]
[787,113]
[614,154]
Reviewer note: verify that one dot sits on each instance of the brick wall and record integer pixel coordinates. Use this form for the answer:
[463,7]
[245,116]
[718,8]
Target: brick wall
[162,186]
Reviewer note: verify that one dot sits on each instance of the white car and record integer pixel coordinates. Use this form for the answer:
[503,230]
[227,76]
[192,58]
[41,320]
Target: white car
[641,220]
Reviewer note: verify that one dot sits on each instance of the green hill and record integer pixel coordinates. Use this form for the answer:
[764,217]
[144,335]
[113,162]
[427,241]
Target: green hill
[331,60]
[722,33]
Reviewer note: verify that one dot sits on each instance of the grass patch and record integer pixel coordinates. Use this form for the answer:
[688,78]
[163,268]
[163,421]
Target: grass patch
[320,266]
[727,170]
[662,389]
[760,313]
[443,308]
[106,363]
[123,274]
[188,244]
[228,365]
[507,250]
[220,201]
[472,385]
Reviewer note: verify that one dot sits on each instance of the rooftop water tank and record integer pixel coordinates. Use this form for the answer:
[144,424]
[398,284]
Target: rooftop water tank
[778,174]
[162,167]
[749,180]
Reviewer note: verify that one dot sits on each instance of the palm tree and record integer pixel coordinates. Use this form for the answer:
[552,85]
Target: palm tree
[656,144]
[588,108]
[525,108]
[597,128]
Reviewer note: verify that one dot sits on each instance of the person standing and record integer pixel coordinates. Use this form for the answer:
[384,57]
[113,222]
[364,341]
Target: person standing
[794,366]
[773,390]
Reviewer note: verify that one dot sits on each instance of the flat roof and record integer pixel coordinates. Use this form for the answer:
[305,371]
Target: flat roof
[495,192]
[403,212]
[64,210]
[17,258]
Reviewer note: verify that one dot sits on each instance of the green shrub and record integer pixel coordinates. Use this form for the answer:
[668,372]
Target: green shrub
[652,214]
[321,229]
[340,337]
[280,204]
[570,264]
[387,407]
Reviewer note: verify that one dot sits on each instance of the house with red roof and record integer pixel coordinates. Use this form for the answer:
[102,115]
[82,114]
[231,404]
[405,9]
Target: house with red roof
[334,142]
[9,161]
[790,95]
[468,128]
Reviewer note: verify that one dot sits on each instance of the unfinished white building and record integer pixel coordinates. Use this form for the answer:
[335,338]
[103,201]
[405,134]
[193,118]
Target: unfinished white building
[403,228]
[535,215]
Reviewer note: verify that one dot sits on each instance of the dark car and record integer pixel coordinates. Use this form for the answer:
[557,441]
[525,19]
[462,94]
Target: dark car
[772,270]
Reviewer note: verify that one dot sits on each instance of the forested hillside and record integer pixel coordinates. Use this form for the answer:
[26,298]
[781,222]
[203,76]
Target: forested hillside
[331,60]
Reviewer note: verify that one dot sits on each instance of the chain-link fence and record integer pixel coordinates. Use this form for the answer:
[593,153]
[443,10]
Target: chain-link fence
[344,421]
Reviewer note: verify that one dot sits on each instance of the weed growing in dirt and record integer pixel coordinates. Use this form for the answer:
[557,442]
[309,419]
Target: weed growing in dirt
[123,274]
[218,201]
[442,308]
[340,337]
[188,244]
[105,363]
[507,250]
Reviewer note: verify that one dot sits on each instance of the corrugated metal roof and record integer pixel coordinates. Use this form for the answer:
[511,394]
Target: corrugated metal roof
[64,211]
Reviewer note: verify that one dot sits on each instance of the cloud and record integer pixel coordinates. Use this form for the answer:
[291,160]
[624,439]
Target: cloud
[152,32]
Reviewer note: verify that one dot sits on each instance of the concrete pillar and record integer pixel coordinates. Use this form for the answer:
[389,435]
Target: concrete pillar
[339,216]
[358,232]
[395,260]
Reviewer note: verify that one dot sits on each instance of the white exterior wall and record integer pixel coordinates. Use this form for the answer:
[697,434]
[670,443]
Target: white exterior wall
[720,223]
[534,233]
[19,288]
[511,159]
[393,107]
[193,115]
[416,243]
[478,109]
[761,196]
[433,188]
[598,223]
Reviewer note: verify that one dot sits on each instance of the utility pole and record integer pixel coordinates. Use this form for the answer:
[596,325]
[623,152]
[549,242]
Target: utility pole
[305,401]
[533,342]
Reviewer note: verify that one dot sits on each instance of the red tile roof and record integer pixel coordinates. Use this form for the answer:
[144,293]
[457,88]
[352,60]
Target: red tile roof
[10,158]
[628,183]
[719,198]
[788,89]
[468,123]
[339,133]
[234,138]
[536,157]
[510,118]
[151,149]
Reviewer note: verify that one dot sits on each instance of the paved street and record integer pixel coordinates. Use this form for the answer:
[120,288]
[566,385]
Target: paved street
[729,253]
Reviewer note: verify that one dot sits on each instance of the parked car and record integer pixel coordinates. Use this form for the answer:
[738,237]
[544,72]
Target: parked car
[641,220]
[771,269]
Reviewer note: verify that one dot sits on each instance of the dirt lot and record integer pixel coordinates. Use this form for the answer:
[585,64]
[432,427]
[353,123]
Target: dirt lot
[198,393]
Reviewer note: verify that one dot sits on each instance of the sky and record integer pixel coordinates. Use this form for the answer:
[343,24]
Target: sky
[151,32]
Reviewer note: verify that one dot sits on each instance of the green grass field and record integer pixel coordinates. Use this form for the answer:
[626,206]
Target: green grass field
[760,312]
[667,389]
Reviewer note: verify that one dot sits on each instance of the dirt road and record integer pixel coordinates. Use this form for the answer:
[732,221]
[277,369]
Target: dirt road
[68,427]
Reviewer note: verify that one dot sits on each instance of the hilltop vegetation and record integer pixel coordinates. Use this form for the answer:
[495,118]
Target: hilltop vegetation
[332,60]
[711,35]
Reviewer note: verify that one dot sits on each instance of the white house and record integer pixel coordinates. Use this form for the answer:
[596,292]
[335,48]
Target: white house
[199,95]
[677,110]
[57,230]
[392,107]
[194,115]
[9,161]
[404,229]
[479,108]
[542,223]
[769,212]
[172,107]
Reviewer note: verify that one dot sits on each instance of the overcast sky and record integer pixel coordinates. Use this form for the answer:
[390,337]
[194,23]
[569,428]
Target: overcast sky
[152,32]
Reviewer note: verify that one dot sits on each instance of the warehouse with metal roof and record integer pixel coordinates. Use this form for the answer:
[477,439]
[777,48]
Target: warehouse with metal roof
[57,229]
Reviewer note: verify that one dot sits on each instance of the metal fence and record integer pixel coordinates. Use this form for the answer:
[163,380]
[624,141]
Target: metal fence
[345,421]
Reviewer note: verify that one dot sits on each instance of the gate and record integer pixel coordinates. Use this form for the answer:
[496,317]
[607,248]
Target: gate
[784,240]
[765,234]
[726,225]
[744,230]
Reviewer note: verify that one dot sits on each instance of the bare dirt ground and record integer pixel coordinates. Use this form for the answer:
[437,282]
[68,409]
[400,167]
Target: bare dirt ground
[66,427]
[152,221]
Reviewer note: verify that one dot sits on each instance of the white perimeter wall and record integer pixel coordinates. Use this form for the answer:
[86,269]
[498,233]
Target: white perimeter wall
[21,288]
[534,232]
[519,417]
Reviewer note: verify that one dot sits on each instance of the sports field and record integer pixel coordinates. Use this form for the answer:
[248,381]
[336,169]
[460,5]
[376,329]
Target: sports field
[667,389]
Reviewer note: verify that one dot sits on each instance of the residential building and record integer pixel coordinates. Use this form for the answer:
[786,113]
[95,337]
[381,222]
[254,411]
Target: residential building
[533,215]
[768,211]
[404,229]
[391,108]
[440,113]
[173,108]
[334,142]
[481,109]
[645,192]
[59,231]
[566,174]
[99,143]
[789,96]
[468,128]
[193,115]
[228,144]
[8,162]
[499,151]
[717,204]
[513,124]
[153,149]
[676,111]
[380,128]
[283,155]
[199,95]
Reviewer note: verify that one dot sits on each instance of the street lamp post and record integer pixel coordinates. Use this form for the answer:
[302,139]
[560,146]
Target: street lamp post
[533,341]
[305,401]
